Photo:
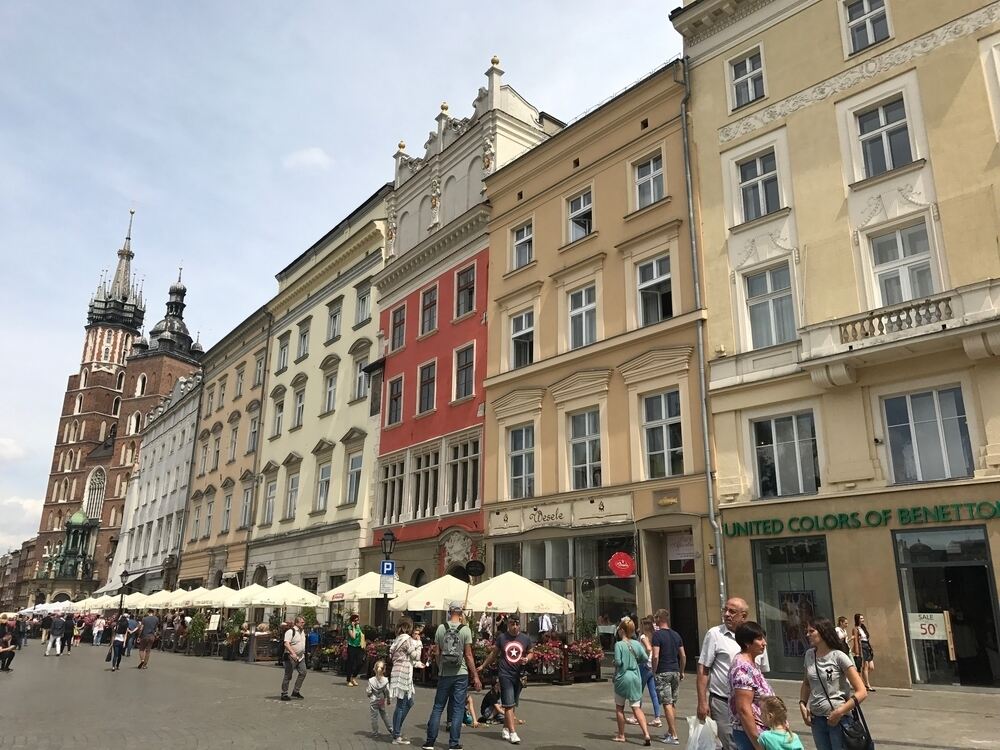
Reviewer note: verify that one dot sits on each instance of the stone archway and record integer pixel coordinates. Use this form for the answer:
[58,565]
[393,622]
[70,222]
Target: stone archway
[62,596]
[419,578]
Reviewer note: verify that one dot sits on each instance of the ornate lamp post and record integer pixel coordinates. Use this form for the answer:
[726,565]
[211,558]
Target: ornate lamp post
[388,545]
[121,599]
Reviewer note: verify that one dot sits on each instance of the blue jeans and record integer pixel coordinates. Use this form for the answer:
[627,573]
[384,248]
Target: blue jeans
[741,741]
[117,647]
[825,736]
[455,687]
[646,675]
[403,706]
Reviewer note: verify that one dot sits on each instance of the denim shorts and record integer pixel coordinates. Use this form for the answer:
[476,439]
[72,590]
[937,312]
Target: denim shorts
[510,691]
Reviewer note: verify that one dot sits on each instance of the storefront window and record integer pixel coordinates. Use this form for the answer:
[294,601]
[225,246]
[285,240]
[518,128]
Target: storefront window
[506,559]
[950,606]
[793,585]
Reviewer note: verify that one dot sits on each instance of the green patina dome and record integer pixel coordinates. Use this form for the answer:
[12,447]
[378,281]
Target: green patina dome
[77,519]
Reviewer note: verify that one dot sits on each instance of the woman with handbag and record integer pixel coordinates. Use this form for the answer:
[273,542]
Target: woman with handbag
[861,644]
[629,654]
[828,708]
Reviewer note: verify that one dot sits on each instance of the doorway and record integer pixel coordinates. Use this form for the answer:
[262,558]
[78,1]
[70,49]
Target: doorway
[950,606]
[684,618]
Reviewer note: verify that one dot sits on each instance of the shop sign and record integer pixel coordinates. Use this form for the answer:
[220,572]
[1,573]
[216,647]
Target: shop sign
[874,518]
[931,626]
[622,564]
[680,546]
[560,514]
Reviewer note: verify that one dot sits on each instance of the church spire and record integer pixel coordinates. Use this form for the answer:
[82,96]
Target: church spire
[121,302]
[121,287]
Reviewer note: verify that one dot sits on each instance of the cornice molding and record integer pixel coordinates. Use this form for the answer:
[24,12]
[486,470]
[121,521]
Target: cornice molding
[656,363]
[521,401]
[583,383]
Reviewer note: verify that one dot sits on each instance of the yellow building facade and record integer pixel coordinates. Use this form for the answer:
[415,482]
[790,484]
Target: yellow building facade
[594,472]
[846,156]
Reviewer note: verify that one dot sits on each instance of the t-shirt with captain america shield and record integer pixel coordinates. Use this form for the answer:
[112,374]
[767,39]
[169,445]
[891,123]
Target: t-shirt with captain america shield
[513,649]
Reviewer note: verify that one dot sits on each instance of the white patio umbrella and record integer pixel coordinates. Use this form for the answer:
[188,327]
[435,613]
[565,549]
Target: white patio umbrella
[509,592]
[135,599]
[182,598]
[286,594]
[245,596]
[27,611]
[365,587]
[436,595]
[83,605]
[104,602]
[217,597]
[158,599]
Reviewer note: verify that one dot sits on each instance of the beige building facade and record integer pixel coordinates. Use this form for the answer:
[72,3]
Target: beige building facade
[846,158]
[594,471]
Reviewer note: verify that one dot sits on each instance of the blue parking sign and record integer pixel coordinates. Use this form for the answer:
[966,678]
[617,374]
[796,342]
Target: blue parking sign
[387,567]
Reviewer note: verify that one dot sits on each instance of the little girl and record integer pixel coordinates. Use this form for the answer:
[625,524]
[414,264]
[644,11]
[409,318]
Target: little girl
[779,736]
[378,698]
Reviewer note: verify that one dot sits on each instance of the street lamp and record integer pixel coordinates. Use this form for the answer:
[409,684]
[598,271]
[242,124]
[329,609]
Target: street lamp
[121,599]
[388,545]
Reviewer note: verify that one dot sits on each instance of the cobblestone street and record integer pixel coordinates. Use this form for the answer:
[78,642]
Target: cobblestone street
[185,702]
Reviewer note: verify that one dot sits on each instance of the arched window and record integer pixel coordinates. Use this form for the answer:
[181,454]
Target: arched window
[52,521]
[116,406]
[134,423]
[74,431]
[83,430]
[62,456]
[103,431]
[72,489]
[79,455]
[66,433]
[83,378]
[64,491]
[140,385]
[59,520]
[79,404]
[113,521]
[95,493]
[120,383]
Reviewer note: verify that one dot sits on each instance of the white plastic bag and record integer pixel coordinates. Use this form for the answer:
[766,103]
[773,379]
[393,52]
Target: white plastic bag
[702,735]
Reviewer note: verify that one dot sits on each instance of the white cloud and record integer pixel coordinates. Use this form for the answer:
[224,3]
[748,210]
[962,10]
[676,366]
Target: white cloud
[10,450]
[313,157]
[20,516]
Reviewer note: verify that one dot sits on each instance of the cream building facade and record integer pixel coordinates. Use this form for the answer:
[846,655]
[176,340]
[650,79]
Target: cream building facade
[595,482]
[224,483]
[846,155]
[318,444]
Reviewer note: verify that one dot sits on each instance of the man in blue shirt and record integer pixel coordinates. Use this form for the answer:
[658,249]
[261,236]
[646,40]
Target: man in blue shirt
[668,670]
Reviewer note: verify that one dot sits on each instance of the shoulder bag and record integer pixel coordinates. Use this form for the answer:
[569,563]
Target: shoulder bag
[856,733]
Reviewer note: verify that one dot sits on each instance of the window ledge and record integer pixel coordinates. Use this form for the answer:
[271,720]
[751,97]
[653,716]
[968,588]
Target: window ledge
[429,333]
[514,271]
[237,397]
[326,413]
[357,400]
[283,369]
[647,209]
[334,340]
[577,243]
[250,452]
[230,461]
[463,316]
[317,512]
[423,414]
[392,426]
[741,109]
[264,525]
[286,520]
[397,350]
[913,166]
[296,428]
[868,48]
[303,358]
[753,223]
[275,436]
[455,402]
[361,323]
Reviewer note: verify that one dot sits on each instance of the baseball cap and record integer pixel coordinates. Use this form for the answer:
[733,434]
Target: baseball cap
[455,606]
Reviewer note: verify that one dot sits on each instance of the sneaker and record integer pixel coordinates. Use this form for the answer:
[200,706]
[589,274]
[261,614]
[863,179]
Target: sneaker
[631,720]
[427,746]
[505,733]
[285,697]
[514,739]
[401,741]
[298,695]
[669,739]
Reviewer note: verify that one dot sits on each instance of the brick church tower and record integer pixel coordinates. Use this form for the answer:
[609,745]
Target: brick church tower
[121,377]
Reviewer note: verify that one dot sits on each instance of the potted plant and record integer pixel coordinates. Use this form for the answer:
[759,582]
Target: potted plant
[234,628]
[548,660]
[196,634]
[585,657]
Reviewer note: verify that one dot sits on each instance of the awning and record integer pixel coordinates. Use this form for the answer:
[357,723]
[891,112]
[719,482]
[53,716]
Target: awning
[116,583]
[232,574]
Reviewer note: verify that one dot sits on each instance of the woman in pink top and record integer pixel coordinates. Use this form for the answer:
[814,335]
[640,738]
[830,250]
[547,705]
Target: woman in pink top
[747,687]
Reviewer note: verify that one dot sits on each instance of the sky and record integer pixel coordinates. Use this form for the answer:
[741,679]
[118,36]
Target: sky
[240,132]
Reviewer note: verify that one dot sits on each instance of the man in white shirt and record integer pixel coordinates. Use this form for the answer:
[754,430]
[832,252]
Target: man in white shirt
[544,624]
[295,658]
[717,652]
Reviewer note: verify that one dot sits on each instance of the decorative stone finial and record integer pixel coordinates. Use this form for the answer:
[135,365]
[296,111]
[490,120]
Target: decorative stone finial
[495,60]
[444,106]
[402,145]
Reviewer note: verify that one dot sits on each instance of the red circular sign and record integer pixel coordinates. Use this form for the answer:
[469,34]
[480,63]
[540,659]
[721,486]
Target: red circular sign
[622,564]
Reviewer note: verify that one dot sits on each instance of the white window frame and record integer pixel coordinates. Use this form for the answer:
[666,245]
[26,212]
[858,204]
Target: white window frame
[902,265]
[846,26]
[389,421]
[585,273]
[584,311]
[663,425]
[279,417]
[282,353]
[302,347]
[797,445]
[246,508]
[196,523]
[586,197]
[360,378]
[425,482]
[392,490]
[254,434]
[881,134]
[355,464]
[518,329]
[657,279]
[526,452]
[747,78]
[299,410]
[463,472]
[769,298]
[522,245]
[334,320]
[989,54]
[526,298]
[227,510]
[209,512]
[234,436]
[324,473]
[458,313]
[330,391]
[656,179]
[587,440]
[760,181]
[258,370]
[291,496]
[454,371]
[363,306]
[238,386]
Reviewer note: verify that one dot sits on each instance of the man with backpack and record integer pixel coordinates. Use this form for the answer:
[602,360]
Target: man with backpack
[455,664]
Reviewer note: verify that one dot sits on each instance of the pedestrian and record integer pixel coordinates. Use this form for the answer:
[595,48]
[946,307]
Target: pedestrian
[46,627]
[56,632]
[377,691]
[842,633]
[645,637]
[147,637]
[863,652]
[77,630]
[512,654]
[21,632]
[455,666]
[825,699]
[717,652]
[118,641]
[669,661]
[404,655]
[69,632]
[627,679]
[778,736]
[99,624]
[133,633]
[355,649]
[8,650]
[295,658]
[748,687]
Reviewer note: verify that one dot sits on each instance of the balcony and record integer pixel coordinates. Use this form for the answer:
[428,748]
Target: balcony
[889,320]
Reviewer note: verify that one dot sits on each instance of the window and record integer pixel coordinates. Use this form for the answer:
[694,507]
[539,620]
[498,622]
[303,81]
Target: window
[330,392]
[323,486]
[116,406]
[258,370]
[583,317]
[398,328]
[523,238]
[203,459]
[196,523]
[649,181]
[391,502]
[303,348]
[209,400]
[759,186]
[928,436]
[394,411]
[581,216]
[661,425]
[465,293]
[222,393]
[426,468]
[428,310]
[428,383]
[360,378]
[655,295]
[769,301]
[234,435]
[238,386]
[252,437]
[291,495]
[885,137]
[522,462]
[464,368]
[216,452]
[463,475]
[522,339]
[227,511]
[363,309]
[866,23]
[353,477]
[585,449]
[748,78]
[787,462]
[282,354]
[333,321]
[902,263]
[300,408]
[246,507]
[167,529]
[279,416]
[270,493]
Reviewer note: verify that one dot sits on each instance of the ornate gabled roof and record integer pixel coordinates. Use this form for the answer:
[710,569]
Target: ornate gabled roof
[120,302]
